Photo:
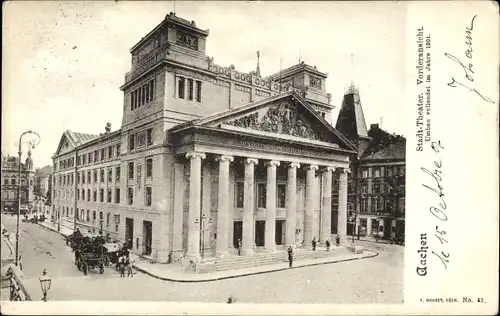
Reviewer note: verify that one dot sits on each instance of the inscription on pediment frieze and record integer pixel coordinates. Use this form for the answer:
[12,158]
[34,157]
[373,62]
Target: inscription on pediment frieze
[281,119]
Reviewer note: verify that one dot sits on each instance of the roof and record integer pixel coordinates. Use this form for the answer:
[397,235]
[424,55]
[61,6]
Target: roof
[384,146]
[44,171]
[81,138]
[351,120]
[296,68]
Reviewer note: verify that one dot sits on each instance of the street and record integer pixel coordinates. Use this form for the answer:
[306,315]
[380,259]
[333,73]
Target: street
[374,280]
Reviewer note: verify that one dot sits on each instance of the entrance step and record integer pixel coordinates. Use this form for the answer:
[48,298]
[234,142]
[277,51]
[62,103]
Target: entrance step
[260,259]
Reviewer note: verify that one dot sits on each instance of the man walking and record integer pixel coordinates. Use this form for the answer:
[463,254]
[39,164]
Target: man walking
[239,247]
[314,244]
[290,256]
[327,244]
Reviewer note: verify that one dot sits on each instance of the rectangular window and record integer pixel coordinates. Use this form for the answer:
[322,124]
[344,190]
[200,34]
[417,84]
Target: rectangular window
[139,97]
[181,87]
[118,150]
[190,89]
[281,198]
[102,175]
[147,93]
[152,90]
[110,174]
[107,220]
[94,217]
[95,176]
[148,196]
[136,99]
[103,154]
[131,142]
[83,194]
[78,177]
[118,173]
[198,91]
[117,195]
[117,222]
[149,167]
[89,178]
[109,195]
[91,158]
[77,194]
[132,101]
[95,196]
[149,136]
[130,170]
[240,194]
[110,152]
[101,195]
[141,139]
[130,196]
[143,100]
[365,173]
[261,197]
[96,154]
[88,195]
[88,215]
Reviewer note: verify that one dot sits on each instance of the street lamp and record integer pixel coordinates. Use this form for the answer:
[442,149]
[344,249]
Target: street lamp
[19,189]
[45,282]
[202,232]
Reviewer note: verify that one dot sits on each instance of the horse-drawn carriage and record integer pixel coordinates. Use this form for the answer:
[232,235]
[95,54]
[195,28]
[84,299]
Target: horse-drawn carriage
[94,252]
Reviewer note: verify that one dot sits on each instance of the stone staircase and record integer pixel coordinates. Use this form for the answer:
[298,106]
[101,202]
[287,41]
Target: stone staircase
[280,256]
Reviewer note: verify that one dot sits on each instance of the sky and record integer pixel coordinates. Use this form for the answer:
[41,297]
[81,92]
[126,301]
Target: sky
[63,63]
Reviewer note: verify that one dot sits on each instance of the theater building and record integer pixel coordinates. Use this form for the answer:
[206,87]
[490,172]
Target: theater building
[207,155]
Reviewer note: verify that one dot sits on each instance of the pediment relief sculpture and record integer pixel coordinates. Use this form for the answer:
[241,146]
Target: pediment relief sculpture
[281,119]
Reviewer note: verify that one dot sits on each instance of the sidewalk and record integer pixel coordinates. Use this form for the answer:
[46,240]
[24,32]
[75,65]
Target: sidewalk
[177,273]
[65,231]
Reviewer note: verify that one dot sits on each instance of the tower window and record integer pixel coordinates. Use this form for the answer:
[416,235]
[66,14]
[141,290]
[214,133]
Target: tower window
[181,87]
[198,91]
[190,89]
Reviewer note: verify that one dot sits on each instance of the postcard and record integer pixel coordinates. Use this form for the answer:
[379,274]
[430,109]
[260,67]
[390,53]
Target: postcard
[250,158]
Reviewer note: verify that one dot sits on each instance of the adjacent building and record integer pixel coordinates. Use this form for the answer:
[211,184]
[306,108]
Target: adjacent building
[11,182]
[376,185]
[207,155]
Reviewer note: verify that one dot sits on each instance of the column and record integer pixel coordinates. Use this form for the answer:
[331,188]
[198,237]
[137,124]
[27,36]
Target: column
[248,206]
[178,210]
[193,251]
[270,237]
[308,216]
[368,227]
[342,218]
[291,203]
[223,206]
[326,206]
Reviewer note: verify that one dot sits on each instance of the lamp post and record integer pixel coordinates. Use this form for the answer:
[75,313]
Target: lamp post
[58,218]
[45,282]
[202,232]
[19,189]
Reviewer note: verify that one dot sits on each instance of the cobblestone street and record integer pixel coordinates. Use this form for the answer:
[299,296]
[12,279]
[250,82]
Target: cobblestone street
[374,280]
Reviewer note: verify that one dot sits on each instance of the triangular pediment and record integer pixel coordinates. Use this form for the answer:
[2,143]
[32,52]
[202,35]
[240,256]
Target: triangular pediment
[286,115]
[66,144]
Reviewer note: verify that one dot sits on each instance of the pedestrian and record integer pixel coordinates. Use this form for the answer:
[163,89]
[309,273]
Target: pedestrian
[337,240]
[290,256]
[239,247]
[314,244]
[121,264]
[327,244]
[128,266]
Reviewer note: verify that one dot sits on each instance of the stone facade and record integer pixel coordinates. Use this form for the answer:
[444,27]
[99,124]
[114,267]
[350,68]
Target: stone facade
[206,155]
[11,182]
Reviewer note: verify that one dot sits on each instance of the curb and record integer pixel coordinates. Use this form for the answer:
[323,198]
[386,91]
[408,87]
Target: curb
[250,273]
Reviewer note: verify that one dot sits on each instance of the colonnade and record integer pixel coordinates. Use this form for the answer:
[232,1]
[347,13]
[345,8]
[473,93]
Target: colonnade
[223,216]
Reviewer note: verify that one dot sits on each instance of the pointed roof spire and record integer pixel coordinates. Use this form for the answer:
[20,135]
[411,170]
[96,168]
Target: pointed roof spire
[257,72]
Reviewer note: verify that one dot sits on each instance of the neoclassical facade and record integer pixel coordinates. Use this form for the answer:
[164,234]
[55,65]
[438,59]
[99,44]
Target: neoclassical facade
[207,155]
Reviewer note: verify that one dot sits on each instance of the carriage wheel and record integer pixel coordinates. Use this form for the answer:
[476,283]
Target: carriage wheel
[101,269]
[85,268]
